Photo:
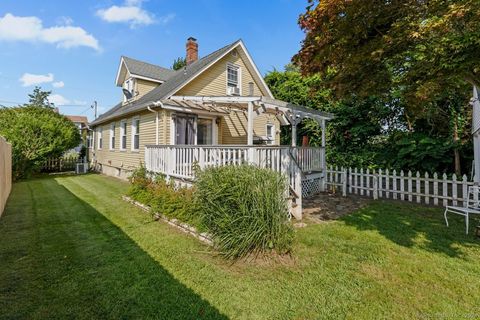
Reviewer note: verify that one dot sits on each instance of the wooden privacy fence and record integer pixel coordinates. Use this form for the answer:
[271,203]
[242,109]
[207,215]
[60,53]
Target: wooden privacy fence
[60,164]
[5,172]
[414,187]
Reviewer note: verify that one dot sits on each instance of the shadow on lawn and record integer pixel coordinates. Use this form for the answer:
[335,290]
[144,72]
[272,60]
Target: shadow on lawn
[69,261]
[411,225]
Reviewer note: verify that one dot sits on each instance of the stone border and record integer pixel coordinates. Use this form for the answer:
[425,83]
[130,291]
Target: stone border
[204,237]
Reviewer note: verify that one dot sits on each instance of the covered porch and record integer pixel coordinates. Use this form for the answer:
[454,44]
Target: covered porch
[303,166]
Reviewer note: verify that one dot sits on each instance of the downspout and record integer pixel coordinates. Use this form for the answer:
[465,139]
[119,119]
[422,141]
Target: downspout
[160,104]
[156,121]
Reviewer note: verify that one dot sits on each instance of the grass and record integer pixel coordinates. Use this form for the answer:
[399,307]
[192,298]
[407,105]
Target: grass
[71,248]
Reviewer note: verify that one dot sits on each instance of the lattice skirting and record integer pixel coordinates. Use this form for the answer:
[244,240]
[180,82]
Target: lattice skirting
[311,186]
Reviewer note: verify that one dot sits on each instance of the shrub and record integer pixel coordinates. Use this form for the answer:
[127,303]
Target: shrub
[36,134]
[163,197]
[245,209]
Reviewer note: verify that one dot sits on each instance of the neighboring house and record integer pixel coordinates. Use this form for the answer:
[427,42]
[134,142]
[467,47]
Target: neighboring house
[216,110]
[81,122]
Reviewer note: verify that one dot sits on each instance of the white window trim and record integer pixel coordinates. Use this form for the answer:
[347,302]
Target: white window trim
[90,140]
[100,138]
[112,136]
[239,84]
[273,141]
[133,89]
[132,144]
[123,133]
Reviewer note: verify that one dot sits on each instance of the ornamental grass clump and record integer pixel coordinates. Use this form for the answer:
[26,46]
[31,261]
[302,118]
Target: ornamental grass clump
[245,209]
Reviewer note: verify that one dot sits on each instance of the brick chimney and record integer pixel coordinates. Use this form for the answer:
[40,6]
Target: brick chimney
[192,50]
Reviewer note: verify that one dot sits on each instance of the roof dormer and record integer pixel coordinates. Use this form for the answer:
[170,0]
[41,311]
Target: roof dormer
[138,78]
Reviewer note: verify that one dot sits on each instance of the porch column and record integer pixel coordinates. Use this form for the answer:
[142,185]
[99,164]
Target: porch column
[476,135]
[476,156]
[250,124]
[251,151]
[323,162]
[323,132]
[294,133]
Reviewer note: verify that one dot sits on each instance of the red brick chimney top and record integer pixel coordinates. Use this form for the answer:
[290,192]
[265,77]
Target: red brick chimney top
[192,50]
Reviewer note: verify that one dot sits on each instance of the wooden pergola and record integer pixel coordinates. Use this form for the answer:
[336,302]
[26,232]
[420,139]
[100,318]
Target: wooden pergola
[287,113]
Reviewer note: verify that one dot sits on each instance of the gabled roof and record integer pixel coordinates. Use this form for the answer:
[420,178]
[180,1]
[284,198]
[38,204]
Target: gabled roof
[144,70]
[175,81]
[80,119]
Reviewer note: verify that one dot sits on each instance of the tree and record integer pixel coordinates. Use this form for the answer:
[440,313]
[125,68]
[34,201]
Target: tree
[415,50]
[36,133]
[368,47]
[290,86]
[179,63]
[39,98]
[358,123]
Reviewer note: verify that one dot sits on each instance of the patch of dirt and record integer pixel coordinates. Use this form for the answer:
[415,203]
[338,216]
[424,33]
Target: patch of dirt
[328,206]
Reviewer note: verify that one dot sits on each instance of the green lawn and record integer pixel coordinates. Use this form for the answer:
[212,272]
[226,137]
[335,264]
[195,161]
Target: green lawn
[71,248]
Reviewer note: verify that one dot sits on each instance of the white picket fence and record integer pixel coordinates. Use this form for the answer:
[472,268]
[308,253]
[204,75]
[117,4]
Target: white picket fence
[60,164]
[419,188]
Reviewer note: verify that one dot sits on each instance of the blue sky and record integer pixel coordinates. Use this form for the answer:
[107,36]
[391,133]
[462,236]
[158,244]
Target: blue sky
[73,47]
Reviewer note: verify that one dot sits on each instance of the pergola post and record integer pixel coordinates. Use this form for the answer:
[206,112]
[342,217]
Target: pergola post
[250,124]
[250,132]
[322,124]
[476,156]
[294,133]
[476,135]
[322,158]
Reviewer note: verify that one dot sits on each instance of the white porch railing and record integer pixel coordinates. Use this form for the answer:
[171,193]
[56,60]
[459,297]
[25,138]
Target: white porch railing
[180,161]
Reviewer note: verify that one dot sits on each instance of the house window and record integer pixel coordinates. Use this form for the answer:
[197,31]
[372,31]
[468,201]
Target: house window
[123,135]
[135,133]
[270,134]
[89,141]
[112,136]
[233,79]
[99,143]
[129,85]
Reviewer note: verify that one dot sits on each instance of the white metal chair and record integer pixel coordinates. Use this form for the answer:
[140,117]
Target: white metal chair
[473,206]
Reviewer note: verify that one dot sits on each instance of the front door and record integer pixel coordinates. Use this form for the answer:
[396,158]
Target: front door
[185,130]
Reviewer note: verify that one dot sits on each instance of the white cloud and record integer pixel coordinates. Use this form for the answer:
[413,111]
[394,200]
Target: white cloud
[127,14]
[132,13]
[58,100]
[58,84]
[166,19]
[30,29]
[28,79]
[79,102]
[136,3]
[65,21]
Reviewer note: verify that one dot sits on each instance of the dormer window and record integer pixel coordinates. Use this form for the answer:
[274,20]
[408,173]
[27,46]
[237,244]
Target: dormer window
[128,89]
[233,80]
